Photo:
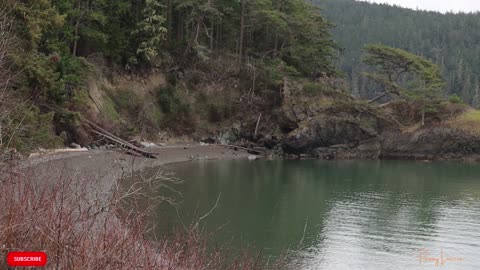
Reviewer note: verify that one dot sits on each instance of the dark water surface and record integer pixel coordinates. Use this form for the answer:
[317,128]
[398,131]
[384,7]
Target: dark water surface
[337,215]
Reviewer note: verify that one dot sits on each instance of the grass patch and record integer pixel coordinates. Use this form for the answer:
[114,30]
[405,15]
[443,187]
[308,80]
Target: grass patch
[313,89]
[472,117]
[126,100]
[109,111]
[121,102]
[468,121]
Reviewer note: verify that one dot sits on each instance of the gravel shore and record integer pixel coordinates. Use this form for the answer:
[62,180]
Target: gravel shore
[105,167]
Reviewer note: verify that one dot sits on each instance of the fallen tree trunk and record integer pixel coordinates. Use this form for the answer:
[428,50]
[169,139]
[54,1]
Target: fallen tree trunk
[130,148]
[243,148]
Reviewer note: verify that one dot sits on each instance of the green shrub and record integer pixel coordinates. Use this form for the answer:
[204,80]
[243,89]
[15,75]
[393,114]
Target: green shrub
[157,115]
[272,72]
[153,117]
[80,98]
[218,109]
[170,102]
[455,99]
[167,100]
[178,113]
[30,129]
[312,89]
[126,100]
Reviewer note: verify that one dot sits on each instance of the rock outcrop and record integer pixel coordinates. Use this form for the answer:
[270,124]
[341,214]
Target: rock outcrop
[347,134]
[326,132]
[430,143]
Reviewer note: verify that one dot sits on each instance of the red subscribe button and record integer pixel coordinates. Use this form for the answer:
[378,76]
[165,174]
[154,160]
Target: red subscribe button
[27,259]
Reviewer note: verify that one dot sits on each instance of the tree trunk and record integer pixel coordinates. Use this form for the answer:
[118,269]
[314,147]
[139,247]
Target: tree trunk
[257,125]
[254,79]
[180,28]
[285,90]
[77,25]
[423,118]
[169,21]
[242,33]
[75,41]
[219,33]
[212,36]
[193,40]
[378,97]
[275,46]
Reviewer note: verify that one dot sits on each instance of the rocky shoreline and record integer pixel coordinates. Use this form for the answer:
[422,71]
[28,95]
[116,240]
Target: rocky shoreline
[438,143]
[303,132]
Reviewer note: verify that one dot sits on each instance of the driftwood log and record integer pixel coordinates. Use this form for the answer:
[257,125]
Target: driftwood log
[128,147]
[235,147]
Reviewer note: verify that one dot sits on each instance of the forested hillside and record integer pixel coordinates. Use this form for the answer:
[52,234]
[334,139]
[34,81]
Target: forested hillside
[224,70]
[450,40]
[53,45]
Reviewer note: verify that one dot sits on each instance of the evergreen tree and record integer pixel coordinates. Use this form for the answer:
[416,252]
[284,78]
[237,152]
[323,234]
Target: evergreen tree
[452,41]
[403,74]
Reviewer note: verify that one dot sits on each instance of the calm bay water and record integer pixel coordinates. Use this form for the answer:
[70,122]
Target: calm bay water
[337,215]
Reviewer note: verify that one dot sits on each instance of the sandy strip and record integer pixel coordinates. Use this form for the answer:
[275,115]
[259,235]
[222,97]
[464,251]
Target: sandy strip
[103,168]
[105,160]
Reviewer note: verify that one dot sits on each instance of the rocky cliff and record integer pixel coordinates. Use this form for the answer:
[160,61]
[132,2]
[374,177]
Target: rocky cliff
[356,132]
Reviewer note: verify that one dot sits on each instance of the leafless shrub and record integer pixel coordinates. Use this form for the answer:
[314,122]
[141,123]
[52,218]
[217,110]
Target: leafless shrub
[8,104]
[189,247]
[5,45]
[74,226]
[5,75]
[79,227]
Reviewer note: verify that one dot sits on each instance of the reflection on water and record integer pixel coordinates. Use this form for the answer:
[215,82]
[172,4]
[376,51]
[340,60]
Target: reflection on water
[338,215]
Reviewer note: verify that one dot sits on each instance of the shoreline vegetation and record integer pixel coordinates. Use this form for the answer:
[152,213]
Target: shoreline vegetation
[74,210]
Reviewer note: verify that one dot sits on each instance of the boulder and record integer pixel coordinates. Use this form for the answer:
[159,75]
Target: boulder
[75,146]
[232,135]
[269,141]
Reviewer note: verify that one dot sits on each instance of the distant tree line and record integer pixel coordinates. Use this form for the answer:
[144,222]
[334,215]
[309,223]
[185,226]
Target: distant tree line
[452,41]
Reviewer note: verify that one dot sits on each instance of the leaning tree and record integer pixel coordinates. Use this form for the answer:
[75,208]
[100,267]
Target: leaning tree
[405,75]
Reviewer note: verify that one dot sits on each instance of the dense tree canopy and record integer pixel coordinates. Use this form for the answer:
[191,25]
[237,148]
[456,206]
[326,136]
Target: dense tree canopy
[451,41]
[259,43]
[145,33]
